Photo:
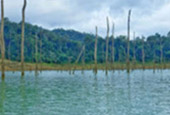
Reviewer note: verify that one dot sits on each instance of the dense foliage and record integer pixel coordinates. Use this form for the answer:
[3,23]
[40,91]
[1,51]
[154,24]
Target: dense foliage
[63,46]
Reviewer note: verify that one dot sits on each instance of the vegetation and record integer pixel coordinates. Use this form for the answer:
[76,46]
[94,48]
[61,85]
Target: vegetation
[16,66]
[63,46]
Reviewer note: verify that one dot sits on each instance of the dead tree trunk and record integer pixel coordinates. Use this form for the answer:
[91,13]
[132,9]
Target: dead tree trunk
[40,49]
[9,51]
[22,37]
[154,56]
[95,50]
[113,49]
[2,41]
[9,47]
[78,58]
[161,50]
[40,54]
[36,52]
[119,57]
[128,40]
[107,41]
[143,53]
[103,52]
[134,49]
[83,56]
[32,54]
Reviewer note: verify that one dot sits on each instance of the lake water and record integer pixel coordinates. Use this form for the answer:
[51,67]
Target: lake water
[59,93]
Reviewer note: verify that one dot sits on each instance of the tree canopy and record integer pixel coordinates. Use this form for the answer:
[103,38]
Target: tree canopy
[59,45]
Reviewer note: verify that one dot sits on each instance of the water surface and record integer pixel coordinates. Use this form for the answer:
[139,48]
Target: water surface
[61,93]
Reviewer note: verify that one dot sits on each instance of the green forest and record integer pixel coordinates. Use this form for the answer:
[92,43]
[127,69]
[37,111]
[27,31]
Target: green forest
[61,46]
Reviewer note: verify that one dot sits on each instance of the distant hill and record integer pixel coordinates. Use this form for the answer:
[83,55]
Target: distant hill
[72,34]
[60,46]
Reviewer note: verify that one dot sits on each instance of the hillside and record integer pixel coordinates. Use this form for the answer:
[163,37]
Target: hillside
[61,46]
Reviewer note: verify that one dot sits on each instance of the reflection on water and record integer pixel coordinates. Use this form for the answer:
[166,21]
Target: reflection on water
[2,96]
[63,93]
[23,95]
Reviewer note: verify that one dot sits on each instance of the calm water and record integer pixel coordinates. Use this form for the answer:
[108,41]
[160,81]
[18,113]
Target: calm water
[59,93]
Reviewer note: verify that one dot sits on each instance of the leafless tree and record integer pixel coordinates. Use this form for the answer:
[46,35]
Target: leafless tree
[81,53]
[40,54]
[113,49]
[2,40]
[134,49]
[22,37]
[83,56]
[128,39]
[161,50]
[36,52]
[95,50]
[143,53]
[154,56]
[107,41]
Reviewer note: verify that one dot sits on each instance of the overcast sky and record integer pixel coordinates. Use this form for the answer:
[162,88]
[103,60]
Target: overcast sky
[148,16]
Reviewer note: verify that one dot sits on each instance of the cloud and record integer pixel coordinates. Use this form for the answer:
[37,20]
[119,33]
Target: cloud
[148,16]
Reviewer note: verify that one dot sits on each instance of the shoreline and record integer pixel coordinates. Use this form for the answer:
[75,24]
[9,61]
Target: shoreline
[16,66]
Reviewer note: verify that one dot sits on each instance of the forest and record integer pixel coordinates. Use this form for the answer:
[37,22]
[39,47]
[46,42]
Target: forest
[61,46]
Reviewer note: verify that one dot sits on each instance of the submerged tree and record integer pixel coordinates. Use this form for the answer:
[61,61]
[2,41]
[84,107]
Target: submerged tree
[40,53]
[113,49]
[22,37]
[2,40]
[154,55]
[80,54]
[95,50]
[83,56]
[128,40]
[39,43]
[36,52]
[134,49]
[9,51]
[107,41]
[161,53]
[143,53]
[9,47]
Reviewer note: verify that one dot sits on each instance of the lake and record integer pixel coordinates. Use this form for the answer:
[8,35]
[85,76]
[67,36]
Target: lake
[84,93]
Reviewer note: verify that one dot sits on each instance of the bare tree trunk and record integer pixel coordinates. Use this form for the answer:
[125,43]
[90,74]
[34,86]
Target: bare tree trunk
[154,56]
[9,51]
[32,53]
[2,41]
[119,57]
[125,53]
[107,41]
[69,61]
[95,50]
[161,50]
[103,53]
[154,61]
[36,52]
[40,54]
[78,58]
[113,49]
[83,55]
[143,53]
[128,39]
[22,37]
[9,47]
[134,49]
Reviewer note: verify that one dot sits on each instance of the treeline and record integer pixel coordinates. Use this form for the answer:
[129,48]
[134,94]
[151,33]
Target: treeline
[63,46]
